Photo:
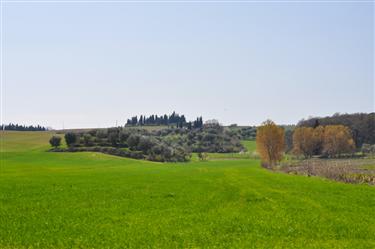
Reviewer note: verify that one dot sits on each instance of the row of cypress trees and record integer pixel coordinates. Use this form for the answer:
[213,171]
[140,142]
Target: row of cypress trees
[17,127]
[174,119]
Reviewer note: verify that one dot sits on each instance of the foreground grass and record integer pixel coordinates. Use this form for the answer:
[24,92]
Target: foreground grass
[91,200]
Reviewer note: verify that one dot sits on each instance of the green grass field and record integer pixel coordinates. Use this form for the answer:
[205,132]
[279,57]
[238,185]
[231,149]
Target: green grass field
[92,200]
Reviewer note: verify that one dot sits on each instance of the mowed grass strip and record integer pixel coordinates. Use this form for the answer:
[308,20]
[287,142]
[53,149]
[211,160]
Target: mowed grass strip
[92,200]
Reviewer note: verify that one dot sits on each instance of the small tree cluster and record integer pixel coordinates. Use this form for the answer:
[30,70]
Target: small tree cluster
[198,123]
[168,120]
[361,125]
[331,140]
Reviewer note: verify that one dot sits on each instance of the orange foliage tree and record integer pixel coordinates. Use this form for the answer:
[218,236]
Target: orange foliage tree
[308,141]
[304,141]
[270,142]
[337,140]
[318,140]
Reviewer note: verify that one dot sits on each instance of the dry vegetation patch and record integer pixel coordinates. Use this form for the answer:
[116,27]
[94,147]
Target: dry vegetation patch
[361,170]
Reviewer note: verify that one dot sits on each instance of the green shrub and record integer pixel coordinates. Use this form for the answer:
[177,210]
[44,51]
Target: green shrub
[70,138]
[55,141]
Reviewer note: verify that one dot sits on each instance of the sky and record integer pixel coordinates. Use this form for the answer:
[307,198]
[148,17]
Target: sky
[87,64]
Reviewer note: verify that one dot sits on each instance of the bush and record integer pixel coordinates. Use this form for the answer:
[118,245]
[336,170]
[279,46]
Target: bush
[55,141]
[113,138]
[133,141]
[88,140]
[368,149]
[70,138]
[202,156]
[123,136]
[101,133]
[145,144]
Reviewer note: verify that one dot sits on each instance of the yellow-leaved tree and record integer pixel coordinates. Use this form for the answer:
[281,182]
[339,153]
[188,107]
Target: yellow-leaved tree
[318,139]
[337,140]
[303,141]
[270,142]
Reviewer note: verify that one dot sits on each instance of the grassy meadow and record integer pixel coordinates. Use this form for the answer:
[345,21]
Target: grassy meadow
[92,200]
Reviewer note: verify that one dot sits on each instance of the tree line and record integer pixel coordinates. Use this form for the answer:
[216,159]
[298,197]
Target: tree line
[323,137]
[17,127]
[361,125]
[167,120]
[326,141]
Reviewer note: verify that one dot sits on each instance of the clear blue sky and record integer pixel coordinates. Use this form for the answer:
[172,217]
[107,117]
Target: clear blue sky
[90,64]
